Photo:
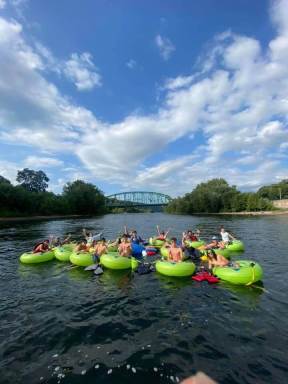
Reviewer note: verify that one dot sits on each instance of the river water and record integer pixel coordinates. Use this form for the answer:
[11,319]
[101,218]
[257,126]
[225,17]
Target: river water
[61,325]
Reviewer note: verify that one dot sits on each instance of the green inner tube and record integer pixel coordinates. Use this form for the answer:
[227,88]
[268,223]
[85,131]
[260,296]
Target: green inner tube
[112,248]
[35,258]
[169,268]
[164,252]
[194,244]
[63,253]
[83,259]
[248,273]
[156,242]
[115,261]
[236,246]
[224,252]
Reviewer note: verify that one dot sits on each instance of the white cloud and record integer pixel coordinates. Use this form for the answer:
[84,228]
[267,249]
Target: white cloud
[178,82]
[81,70]
[165,46]
[42,162]
[9,170]
[238,106]
[131,64]
[32,110]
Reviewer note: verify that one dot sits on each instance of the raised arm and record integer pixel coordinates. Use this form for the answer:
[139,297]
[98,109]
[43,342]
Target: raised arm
[231,237]
[51,240]
[84,233]
[67,238]
[166,233]
[158,230]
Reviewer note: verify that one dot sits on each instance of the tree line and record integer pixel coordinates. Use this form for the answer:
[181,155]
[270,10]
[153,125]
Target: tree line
[30,197]
[216,196]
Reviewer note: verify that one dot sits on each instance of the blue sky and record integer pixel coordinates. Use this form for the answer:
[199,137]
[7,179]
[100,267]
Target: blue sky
[145,95]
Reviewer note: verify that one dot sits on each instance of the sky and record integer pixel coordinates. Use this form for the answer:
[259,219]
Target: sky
[145,96]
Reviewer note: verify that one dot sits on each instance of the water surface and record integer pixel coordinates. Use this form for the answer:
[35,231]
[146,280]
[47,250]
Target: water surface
[66,325]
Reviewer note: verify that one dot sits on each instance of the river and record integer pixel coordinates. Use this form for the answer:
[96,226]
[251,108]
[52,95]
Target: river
[61,325]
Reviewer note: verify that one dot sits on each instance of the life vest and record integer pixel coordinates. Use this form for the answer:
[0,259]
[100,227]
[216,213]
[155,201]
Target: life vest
[205,276]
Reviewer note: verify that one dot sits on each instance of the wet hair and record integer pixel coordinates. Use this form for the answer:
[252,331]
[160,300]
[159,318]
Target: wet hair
[189,231]
[124,236]
[211,254]
[173,239]
[46,241]
[102,239]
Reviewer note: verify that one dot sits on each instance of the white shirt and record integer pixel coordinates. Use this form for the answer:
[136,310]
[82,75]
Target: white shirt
[225,236]
[90,239]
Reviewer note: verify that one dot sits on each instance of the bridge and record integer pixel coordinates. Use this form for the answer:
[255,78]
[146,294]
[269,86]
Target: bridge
[137,199]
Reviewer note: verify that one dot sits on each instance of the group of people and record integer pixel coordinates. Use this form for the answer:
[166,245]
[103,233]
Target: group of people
[177,252]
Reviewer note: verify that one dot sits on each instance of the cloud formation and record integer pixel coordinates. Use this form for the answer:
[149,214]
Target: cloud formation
[42,162]
[237,104]
[81,70]
[165,46]
[131,64]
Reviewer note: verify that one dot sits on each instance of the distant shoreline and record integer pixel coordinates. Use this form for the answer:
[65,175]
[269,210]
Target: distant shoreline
[35,218]
[244,213]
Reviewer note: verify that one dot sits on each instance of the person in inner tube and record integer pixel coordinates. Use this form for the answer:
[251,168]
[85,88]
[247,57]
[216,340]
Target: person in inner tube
[124,248]
[99,249]
[175,252]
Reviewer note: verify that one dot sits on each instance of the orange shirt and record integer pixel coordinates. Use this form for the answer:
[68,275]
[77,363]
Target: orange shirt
[175,254]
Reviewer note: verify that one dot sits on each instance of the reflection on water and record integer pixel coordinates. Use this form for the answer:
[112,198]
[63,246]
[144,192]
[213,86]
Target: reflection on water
[63,324]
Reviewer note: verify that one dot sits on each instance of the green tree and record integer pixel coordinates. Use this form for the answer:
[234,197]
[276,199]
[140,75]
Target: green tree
[3,180]
[32,181]
[217,195]
[274,191]
[84,198]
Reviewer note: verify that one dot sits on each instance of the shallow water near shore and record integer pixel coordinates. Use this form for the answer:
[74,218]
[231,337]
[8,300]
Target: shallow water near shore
[61,325]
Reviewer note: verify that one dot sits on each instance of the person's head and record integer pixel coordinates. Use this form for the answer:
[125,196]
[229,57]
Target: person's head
[83,242]
[214,239]
[173,241]
[90,234]
[124,238]
[211,254]
[162,233]
[133,232]
[46,242]
[102,240]
[222,229]
[189,232]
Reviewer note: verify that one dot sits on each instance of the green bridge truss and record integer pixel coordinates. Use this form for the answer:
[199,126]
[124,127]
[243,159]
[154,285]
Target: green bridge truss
[137,199]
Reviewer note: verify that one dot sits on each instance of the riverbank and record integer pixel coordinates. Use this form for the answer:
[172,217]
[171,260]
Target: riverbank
[244,213]
[35,218]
